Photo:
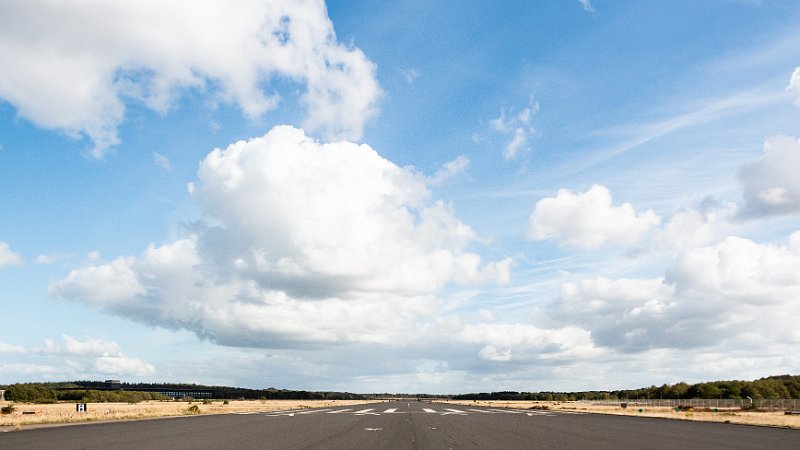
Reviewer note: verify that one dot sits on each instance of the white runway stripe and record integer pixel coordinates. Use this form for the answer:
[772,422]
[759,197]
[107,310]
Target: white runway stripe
[314,411]
[339,411]
[428,410]
[390,410]
[482,411]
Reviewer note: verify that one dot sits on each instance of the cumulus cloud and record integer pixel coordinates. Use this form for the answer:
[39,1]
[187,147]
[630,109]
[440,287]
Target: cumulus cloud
[589,219]
[697,226]
[8,257]
[8,348]
[76,358]
[517,127]
[526,342]
[771,185]
[794,85]
[302,242]
[88,347]
[710,296]
[107,53]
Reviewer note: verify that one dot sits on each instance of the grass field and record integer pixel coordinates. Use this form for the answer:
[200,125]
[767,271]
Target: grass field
[37,414]
[763,418]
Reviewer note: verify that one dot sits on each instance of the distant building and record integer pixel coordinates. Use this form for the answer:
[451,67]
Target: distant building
[2,395]
[113,384]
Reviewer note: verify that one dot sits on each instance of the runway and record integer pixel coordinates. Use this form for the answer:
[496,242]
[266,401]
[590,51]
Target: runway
[403,425]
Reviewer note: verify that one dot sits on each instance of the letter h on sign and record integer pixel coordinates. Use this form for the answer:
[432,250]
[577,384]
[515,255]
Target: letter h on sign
[80,407]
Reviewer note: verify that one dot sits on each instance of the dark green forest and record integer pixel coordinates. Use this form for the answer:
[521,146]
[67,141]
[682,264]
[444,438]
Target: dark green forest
[97,391]
[781,386]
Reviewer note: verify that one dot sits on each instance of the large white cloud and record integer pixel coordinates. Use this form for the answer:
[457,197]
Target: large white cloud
[8,257]
[589,219]
[771,185]
[736,293]
[302,242]
[72,66]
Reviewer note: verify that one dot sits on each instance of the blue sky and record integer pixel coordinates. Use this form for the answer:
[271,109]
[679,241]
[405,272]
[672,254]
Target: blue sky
[400,196]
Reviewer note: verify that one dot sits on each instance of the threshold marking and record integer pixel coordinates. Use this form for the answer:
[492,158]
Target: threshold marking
[428,410]
[338,411]
[453,411]
[314,411]
[482,411]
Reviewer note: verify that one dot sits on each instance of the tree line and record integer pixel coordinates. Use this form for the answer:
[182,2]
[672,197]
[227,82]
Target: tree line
[781,386]
[98,391]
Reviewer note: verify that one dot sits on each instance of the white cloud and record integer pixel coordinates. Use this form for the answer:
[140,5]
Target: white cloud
[162,161]
[521,342]
[48,259]
[8,348]
[588,219]
[794,85]
[771,185]
[72,358]
[88,347]
[449,170]
[587,5]
[8,257]
[714,297]
[410,75]
[693,227]
[516,126]
[108,53]
[121,365]
[304,242]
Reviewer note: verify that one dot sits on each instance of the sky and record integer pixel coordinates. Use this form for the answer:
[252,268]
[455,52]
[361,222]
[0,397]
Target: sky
[401,196]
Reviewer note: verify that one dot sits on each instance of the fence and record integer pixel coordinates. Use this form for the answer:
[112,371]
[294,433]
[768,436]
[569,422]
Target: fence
[770,404]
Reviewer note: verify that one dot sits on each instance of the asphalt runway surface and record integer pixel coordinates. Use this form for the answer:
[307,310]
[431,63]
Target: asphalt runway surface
[403,425]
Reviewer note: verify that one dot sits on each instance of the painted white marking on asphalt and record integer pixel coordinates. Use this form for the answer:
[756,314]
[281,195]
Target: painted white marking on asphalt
[373,429]
[390,410]
[314,411]
[453,411]
[365,412]
[427,410]
[482,411]
[340,411]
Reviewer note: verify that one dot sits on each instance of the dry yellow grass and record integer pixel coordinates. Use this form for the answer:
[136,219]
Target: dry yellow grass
[65,412]
[775,419]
